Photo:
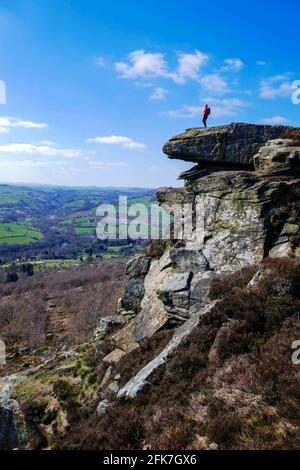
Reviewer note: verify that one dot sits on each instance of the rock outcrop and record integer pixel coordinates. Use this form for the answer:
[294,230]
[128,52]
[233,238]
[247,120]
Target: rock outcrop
[233,144]
[237,210]
[242,185]
[136,385]
[13,433]
[242,199]
[278,157]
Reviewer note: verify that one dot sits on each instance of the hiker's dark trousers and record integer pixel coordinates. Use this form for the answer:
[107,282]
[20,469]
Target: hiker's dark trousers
[204,121]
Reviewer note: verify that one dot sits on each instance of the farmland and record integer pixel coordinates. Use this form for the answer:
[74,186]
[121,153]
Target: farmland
[18,233]
[39,223]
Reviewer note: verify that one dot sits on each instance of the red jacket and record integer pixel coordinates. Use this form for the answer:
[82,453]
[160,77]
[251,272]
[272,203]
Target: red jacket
[206,112]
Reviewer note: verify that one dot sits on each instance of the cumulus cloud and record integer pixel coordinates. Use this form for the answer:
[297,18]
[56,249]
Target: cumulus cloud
[219,108]
[7,122]
[125,142]
[144,65]
[214,83]
[277,86]
[33,149]
[159,94]
[234,65]
[189,66]
[275,120]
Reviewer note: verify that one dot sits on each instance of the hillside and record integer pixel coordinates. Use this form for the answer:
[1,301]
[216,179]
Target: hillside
[198,352]
[59,223]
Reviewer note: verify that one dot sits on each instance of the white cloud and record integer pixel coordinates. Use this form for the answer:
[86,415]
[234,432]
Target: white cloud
[48,142]
[214,83]
[234,65]
[185,112]
[189,66]
[277,86]
[219,108]
[159,94]
[36,169]
[144,65]
[97,163]
[275,120]
[125,142]
[7,162]
[33,149]
[263,63]
[7,122]
[100,61]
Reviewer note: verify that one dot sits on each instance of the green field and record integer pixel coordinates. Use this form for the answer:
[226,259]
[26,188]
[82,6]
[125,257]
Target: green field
[63,218]
[14,233]
[81,230]
[46,264]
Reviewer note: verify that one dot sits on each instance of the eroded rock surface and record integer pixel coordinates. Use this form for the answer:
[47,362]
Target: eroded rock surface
[13,433]
[246,174]
[236,143]
[135,386]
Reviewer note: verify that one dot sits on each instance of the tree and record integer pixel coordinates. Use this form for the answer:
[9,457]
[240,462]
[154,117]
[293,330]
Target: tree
[12,277]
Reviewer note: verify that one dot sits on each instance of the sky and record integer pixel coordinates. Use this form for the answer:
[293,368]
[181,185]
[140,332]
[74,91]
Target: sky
[93,88]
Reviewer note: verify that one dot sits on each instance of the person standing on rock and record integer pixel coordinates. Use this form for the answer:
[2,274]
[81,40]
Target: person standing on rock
[206,113]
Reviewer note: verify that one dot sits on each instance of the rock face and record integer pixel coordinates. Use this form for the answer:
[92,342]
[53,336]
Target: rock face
[233,144]
[13,433]
[278,157]
[245,175]
[239,192]
[137,268]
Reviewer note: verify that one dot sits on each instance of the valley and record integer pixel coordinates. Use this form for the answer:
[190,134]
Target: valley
[41,223]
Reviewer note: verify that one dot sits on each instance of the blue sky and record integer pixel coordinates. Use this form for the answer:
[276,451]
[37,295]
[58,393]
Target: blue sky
[94,88]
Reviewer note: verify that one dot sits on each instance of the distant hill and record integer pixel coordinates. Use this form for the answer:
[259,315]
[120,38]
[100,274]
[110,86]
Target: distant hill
[58,222]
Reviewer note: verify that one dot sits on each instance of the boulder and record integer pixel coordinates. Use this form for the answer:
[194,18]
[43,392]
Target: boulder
[178,282]
[188,260]
[236,143]
[153,314]
[199,290]
[278,157]
[174,293]
[107,324]
[214,355]
[13,432]
[103,407]
[289,229]
[114,356]
[124,339]
[281,250]
[138,266]
[133,294]
[136,385]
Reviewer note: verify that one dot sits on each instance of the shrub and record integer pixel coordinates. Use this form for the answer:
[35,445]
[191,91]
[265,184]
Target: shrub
[224,423]
[226,284]
[293,134]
